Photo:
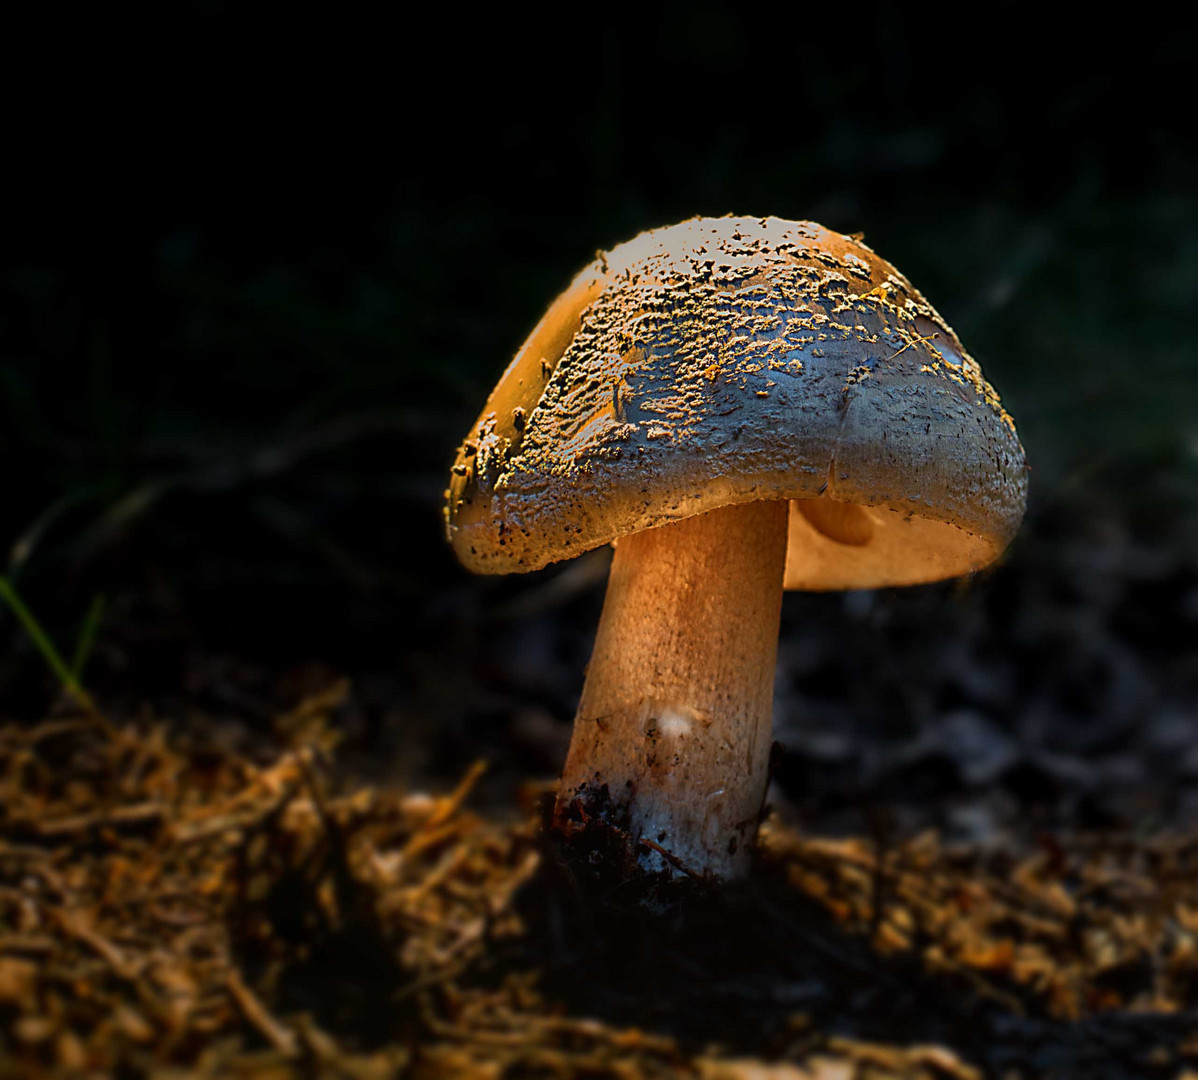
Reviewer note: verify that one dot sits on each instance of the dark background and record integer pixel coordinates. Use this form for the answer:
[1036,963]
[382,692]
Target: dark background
[259,272]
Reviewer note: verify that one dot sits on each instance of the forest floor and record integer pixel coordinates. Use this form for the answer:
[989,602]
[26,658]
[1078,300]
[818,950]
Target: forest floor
[189,898]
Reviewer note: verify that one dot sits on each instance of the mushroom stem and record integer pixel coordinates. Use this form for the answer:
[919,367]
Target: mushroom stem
[676,712]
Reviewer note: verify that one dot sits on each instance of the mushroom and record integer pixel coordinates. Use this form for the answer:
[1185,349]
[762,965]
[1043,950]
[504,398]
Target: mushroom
[740,405]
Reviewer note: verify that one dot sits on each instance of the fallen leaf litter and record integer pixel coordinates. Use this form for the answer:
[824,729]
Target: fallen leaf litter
[172,906]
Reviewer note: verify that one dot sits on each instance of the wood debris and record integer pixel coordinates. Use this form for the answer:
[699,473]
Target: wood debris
[170,907]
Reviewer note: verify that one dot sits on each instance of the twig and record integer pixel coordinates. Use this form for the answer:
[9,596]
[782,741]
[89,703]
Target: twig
[450,805]
[253,819]
[27,945]
[256,1014]
[122,817]
[442,812]
[74,925]
[673,860]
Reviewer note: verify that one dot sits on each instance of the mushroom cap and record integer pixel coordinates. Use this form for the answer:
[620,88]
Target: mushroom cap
[725,360]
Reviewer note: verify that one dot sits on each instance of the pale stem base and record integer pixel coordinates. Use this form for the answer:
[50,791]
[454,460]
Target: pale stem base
[676,712]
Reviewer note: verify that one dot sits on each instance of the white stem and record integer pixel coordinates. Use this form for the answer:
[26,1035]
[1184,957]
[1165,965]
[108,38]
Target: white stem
[676,713]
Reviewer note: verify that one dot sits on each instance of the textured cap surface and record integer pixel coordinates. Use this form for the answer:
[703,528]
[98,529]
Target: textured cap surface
[725,360]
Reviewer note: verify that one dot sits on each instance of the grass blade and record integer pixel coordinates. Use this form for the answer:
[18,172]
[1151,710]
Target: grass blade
[45,646]
[87,637]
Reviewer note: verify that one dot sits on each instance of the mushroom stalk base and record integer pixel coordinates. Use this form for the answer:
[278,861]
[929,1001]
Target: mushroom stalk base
[676,713]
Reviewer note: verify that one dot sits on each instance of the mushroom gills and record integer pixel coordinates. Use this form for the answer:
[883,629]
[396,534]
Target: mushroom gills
[846,523]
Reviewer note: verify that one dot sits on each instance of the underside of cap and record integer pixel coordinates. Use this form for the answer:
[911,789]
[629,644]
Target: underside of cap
[727,360]
[898,548]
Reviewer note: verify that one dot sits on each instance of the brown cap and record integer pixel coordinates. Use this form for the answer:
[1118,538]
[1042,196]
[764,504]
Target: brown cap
[725,360]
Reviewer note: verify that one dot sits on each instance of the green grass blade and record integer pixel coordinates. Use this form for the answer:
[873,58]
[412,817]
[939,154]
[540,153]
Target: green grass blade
[44,645]
[87,637]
